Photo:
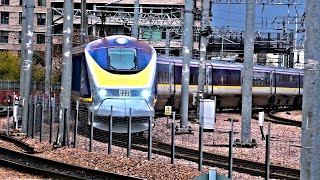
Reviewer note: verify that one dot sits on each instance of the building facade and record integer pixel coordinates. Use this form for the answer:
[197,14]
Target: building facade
[157,20]
[10,25]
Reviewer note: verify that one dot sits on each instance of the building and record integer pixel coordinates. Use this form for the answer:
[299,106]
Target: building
[158,19]
[10,25]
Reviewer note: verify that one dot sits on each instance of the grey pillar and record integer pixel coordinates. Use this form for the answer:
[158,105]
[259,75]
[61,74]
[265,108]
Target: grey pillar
[187,55]
[205,22]
[48,55]
[167,42]
[94,27]
[66,65]
[310,144]
[135,28]
[84,23]
[248,73]
[23,47]
[27,62]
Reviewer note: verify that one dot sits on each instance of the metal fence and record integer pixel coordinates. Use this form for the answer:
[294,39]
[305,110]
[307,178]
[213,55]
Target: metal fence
[164,137]
[35,86]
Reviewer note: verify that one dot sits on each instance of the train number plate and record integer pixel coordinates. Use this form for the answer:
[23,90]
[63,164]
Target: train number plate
[124,92]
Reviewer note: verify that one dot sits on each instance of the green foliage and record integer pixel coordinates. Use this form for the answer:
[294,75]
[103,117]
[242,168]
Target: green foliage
[9,66]
[38,72]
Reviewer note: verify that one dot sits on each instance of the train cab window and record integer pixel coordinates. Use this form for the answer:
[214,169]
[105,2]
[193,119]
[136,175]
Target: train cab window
[122,59]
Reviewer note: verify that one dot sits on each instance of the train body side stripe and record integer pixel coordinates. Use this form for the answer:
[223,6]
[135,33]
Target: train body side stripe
[233,87]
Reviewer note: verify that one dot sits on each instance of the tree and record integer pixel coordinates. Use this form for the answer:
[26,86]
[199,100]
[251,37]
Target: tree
[9,66]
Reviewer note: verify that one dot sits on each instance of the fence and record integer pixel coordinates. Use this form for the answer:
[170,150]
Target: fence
[83,131]
[35,86]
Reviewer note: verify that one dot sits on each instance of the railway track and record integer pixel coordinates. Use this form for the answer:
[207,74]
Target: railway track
[239,165]
[210,159]
[52,169]
[278,120]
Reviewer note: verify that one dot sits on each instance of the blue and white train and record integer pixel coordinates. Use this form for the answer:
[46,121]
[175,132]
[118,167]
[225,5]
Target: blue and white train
[124,73]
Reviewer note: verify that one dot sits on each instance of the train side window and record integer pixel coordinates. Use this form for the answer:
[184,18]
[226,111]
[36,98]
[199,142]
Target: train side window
[163,73]
[194,73]
[178,74]
[261,79]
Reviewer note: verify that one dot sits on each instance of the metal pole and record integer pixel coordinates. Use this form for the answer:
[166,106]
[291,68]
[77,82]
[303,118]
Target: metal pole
[310,163]
[23,54]
[150,139]
[52,107]
[30,117]
[91,128]
[129,134]
[66,64]
[173,134]
[167,42]
[187,55]
[27,62]
[48,54]
[8,119]
[84,23]
[248,73]
[42,117]
[205,25]
[135,28]
[200,144]
[110,133]
[267,165]
[76,126]
[231,150]
[34,116]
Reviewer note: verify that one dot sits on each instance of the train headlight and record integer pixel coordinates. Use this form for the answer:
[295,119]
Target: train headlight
[122,40]
[145,93]
[102,92]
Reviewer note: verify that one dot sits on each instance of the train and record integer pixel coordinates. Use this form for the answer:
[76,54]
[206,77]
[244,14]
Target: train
[123,77]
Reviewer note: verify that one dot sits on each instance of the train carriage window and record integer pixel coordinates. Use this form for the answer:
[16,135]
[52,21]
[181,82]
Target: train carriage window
[226,77]
[163,73]
[261,79]
[194,73]
[178,74]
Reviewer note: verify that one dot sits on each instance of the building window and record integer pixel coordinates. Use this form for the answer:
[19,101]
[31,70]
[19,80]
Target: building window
[41,19]
[20,37]
[4,2]
[41,2]
[20,3]
[20,17]
[41,39]
[4,18]
[4,36]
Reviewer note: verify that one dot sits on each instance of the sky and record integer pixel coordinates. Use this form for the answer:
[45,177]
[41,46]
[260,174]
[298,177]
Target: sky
[233,15]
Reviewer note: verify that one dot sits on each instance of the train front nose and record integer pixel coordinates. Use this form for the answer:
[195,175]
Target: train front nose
[140,114]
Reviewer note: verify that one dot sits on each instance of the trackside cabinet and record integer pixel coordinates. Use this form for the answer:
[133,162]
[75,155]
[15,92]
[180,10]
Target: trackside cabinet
[207,113]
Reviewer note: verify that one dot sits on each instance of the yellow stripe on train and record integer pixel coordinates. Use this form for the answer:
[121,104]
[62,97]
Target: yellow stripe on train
[232,87]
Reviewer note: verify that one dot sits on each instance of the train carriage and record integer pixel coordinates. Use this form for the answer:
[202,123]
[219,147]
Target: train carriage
[120,73]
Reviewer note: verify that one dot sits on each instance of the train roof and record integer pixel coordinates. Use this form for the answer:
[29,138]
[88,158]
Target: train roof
[226,64]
